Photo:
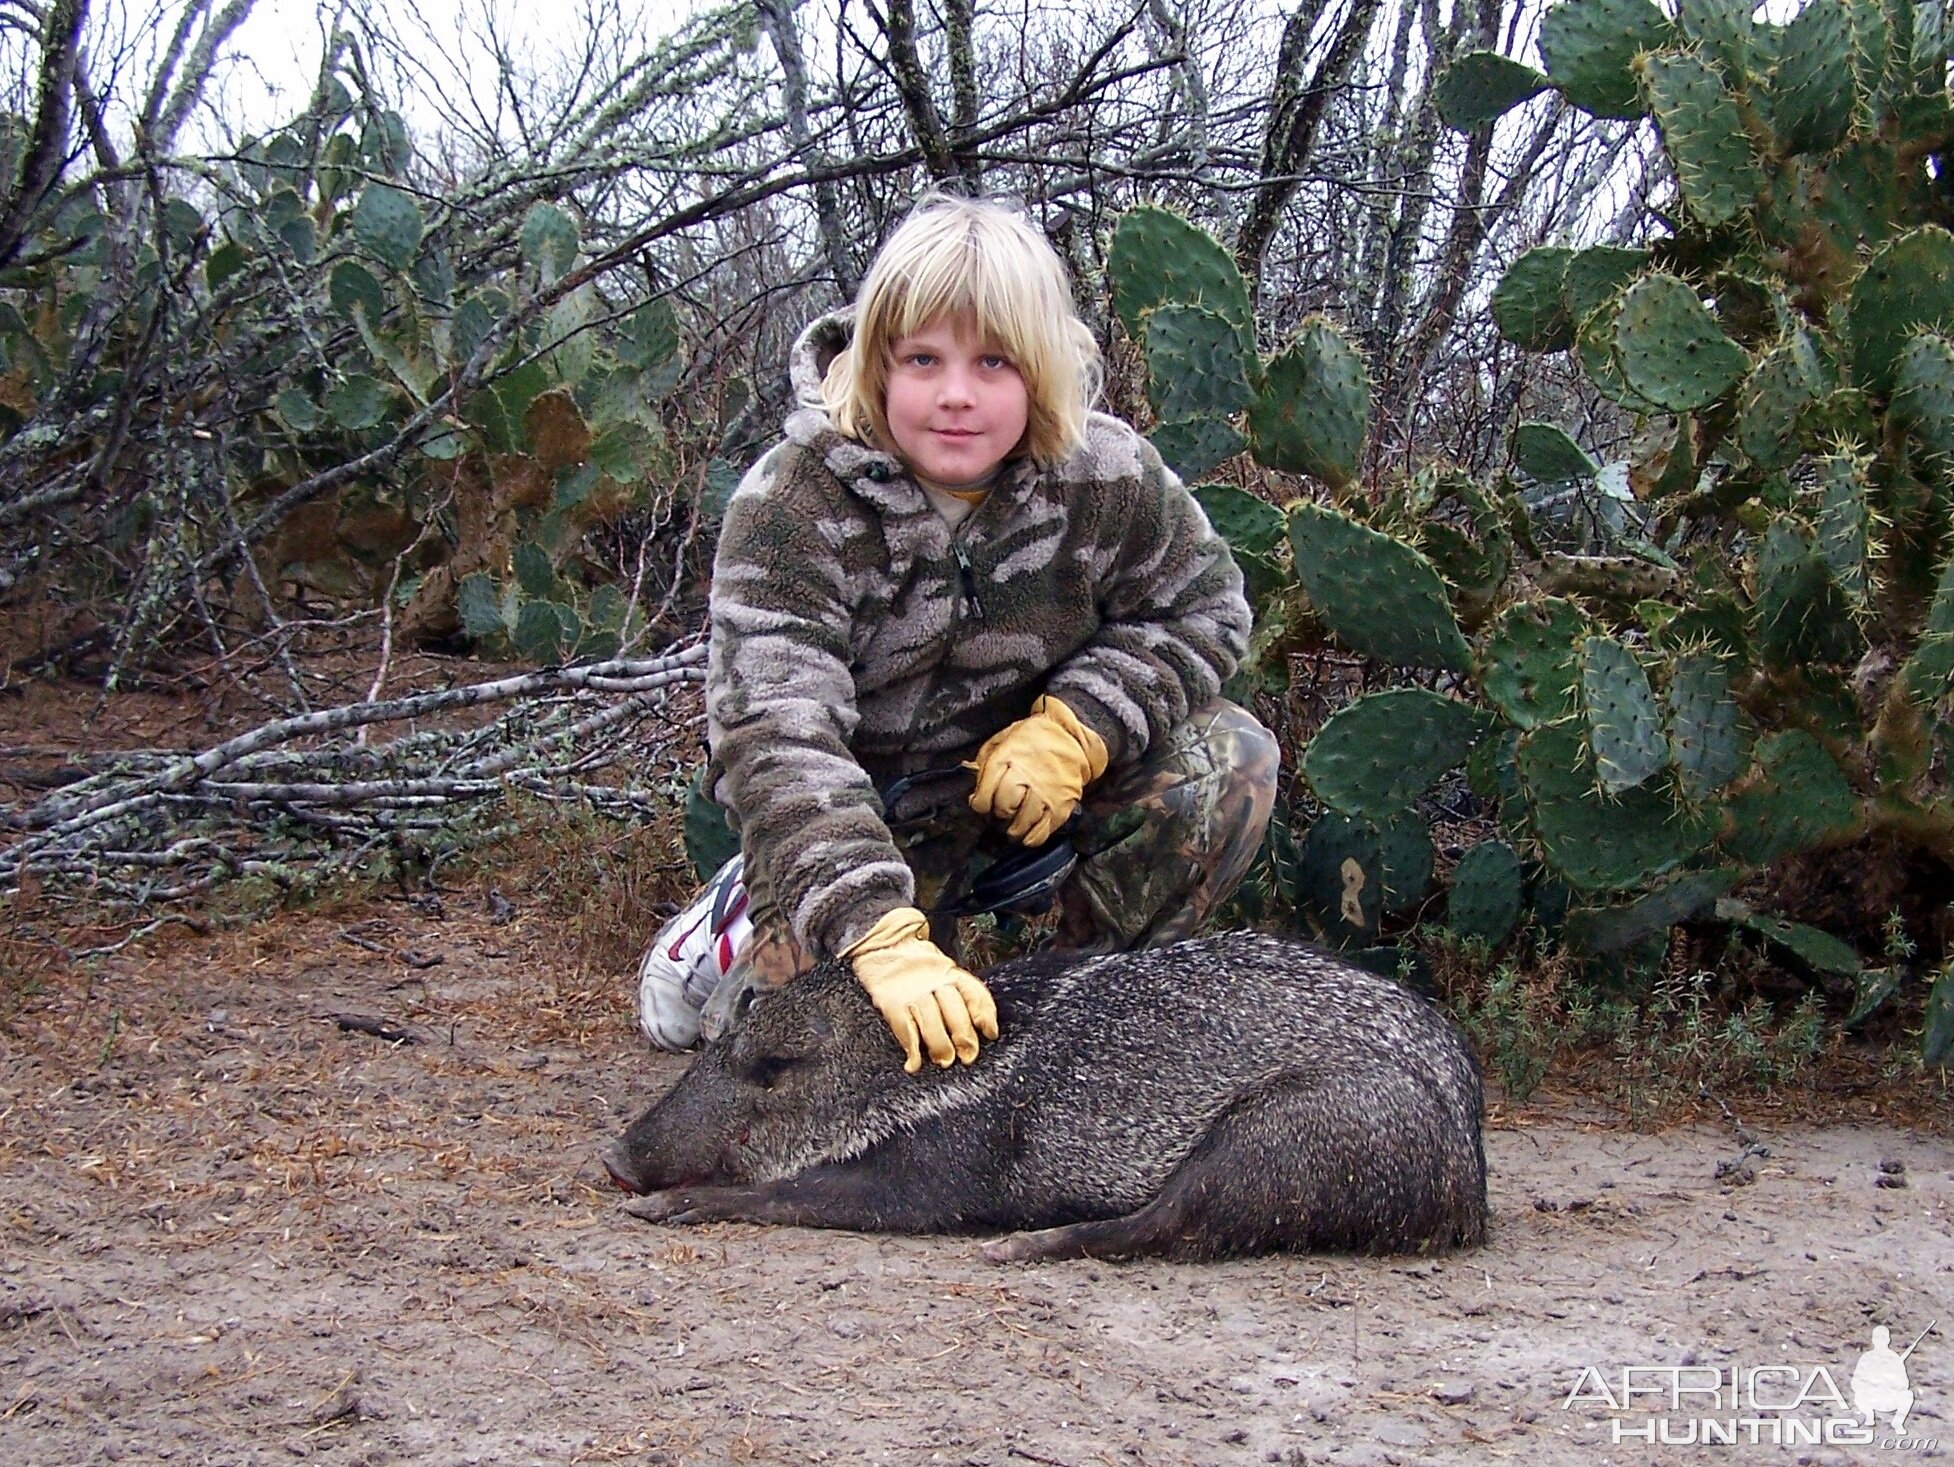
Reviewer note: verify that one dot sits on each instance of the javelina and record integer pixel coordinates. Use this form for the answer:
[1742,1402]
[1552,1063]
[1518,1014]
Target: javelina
[1224,1096]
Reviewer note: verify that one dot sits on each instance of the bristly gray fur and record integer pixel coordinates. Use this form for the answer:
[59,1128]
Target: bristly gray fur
[1227,1095]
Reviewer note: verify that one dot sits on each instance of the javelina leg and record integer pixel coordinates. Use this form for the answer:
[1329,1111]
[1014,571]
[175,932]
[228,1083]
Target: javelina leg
[855,1196]
[1288,1167]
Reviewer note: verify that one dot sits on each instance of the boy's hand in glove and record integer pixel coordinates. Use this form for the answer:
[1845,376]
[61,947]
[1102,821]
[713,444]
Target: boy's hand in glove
[927,1000]
[1033,772]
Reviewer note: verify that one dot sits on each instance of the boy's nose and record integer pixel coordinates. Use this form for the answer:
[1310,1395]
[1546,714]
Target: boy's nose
[953,388]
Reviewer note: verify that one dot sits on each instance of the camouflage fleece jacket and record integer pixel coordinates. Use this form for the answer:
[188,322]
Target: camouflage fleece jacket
[857,638]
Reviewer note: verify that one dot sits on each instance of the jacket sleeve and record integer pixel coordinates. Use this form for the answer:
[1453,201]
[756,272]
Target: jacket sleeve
[780,711]
[1175,620]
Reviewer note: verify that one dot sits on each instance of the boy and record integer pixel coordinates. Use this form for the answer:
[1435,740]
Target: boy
[951,564]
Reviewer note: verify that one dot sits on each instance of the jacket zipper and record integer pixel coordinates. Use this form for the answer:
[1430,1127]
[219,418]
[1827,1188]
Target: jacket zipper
[971,606]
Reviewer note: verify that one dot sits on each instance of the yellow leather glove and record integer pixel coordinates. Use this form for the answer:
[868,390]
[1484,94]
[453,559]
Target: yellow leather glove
[927,1001]
[1033,772]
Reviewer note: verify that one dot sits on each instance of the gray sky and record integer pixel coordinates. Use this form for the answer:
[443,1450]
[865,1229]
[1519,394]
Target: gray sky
[276,51]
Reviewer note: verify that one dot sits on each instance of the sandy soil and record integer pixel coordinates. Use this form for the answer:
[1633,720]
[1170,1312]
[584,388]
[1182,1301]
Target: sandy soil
[232,1231]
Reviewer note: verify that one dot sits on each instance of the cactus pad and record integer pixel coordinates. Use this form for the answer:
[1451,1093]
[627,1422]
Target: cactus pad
[1703,133]
[1706,738]
[1530,305]
[1196,365]
[1923,393]
[1927,673]
[1817,950]
[1906,288]
[1624,724]
[709,841]
[1375,756]
[1547,455]
[1474,562]
[1340,879]
[1490,771]
[1602,931]
[1405,847]
[1195,446]
[1594,343]
[1670,348]
[1158,257]
[1845,524]
[1486,894]
[1245,522]
[1797,799]
[1801,614]
[1481,86]
[1810,102]
[1593,841]
[1314,406]
[1770,404]
[1596,276]
[1722,30]
[1380,597]
[1589,47]
[1530,662]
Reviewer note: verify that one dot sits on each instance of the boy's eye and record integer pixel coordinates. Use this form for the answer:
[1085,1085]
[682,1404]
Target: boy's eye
[995,361]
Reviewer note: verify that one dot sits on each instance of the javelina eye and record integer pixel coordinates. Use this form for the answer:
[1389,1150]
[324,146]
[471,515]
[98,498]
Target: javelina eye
[767,1071]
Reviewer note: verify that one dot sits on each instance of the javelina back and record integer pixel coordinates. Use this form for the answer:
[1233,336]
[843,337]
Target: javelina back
[1224,1096]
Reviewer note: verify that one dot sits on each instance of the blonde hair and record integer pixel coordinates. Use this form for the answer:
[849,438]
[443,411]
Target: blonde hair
[955,257]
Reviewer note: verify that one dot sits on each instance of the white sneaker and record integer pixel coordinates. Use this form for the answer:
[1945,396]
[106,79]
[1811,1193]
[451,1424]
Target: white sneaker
[691,953]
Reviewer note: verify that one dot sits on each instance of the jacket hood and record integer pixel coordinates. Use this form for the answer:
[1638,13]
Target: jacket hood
[819,343]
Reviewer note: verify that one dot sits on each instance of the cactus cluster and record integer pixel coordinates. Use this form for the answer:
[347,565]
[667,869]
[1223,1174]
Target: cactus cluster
[1179,295]
[1756,663]
[368,301]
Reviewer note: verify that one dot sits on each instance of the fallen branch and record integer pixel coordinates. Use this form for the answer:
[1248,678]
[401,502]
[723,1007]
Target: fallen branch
[293,795]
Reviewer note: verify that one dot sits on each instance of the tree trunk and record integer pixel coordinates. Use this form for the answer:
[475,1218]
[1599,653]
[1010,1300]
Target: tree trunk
[1296,110]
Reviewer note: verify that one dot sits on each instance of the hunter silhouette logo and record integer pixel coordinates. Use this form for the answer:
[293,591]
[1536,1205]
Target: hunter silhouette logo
[1781,1404]
[1879,1380]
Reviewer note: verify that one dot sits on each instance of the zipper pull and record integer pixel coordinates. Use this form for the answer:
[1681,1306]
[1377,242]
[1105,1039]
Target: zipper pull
[971,606]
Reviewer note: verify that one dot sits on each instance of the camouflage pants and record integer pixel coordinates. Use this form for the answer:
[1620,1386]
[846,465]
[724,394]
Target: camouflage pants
[1161,843]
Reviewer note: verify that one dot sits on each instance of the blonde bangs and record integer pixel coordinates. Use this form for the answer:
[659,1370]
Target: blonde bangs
[953,258]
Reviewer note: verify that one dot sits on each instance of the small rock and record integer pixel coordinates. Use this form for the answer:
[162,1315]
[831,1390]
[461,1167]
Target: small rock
[1453,1392]
[1395,1433]
[1890,1179]
[1892,1166]
[1738,1173]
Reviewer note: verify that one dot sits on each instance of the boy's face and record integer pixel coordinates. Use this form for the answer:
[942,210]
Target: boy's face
[956,405]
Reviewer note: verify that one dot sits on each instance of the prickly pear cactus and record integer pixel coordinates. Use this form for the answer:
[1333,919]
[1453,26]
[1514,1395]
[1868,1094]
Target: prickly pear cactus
[1754,658]
[1177,293]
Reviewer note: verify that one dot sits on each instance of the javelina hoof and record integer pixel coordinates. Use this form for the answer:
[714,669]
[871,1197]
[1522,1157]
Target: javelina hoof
[663,1207]
[1019,1247]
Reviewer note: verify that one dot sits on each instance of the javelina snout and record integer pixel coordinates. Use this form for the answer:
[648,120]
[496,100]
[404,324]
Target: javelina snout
[764,1100]
[1225,1096]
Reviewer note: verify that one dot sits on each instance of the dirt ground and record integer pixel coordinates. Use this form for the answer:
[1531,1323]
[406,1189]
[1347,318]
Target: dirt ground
[233,1231]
